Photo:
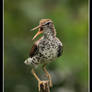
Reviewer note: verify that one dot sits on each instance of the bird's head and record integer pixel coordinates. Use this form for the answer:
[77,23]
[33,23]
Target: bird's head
[44,26]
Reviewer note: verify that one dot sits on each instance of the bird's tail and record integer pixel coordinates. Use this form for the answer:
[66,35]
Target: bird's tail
[32,61]
[28,61]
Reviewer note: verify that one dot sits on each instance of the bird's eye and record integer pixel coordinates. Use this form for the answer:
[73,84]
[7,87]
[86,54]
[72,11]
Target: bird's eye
[48,23]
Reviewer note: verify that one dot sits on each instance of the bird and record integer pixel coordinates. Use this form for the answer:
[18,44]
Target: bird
[45,50]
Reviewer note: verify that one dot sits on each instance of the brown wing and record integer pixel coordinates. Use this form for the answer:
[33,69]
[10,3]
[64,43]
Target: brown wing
[33,50]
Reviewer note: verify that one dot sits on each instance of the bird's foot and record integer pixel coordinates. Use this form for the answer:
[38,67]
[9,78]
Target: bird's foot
[42,83]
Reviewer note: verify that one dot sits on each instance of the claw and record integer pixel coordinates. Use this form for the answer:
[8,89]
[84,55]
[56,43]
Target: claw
[43,83]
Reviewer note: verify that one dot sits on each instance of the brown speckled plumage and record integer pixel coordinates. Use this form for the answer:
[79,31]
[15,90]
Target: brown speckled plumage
[47,48]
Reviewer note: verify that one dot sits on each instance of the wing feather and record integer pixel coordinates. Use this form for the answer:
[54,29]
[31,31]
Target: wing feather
[33,51]
[34,48]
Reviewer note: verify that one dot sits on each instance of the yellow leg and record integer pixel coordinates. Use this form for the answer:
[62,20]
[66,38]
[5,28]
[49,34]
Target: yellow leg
[48,75]
[35,75]
[39,81]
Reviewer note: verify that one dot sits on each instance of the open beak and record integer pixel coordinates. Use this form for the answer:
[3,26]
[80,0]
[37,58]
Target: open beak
[39,31]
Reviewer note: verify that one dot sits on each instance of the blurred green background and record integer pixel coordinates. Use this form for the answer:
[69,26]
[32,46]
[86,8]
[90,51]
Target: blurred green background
[70,71]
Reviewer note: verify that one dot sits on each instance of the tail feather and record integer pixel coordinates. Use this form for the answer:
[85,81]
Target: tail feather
[28,61]
[32,61]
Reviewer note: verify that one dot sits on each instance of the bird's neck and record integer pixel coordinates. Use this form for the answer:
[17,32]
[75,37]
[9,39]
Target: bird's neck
[49,33]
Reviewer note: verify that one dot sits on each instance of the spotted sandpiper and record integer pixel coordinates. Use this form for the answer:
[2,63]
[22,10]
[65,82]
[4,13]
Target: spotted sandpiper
[46,49]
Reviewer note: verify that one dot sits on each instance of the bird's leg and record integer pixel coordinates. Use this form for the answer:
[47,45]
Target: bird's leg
[39,81]
[35,75]
[48,75]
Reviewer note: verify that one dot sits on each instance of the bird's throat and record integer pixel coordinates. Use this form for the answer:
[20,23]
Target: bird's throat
[49,33]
